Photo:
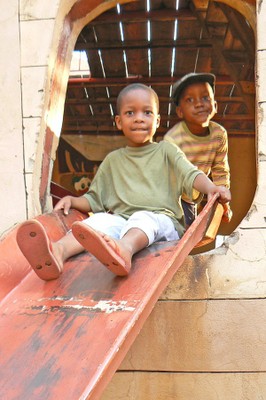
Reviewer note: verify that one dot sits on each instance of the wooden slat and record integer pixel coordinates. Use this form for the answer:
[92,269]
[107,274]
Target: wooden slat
[212,229]
[157,15]
[154,80]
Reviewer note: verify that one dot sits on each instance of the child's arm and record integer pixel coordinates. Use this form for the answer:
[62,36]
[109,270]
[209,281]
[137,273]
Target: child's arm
[204,185]
[79,203]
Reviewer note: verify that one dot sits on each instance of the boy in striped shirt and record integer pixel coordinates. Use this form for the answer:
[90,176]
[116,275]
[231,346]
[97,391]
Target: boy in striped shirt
[203,141]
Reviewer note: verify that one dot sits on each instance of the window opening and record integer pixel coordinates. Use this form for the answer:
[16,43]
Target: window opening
[184,44]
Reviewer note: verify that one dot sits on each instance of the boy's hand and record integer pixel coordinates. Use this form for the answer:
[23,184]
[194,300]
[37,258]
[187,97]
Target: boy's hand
[67,202]
[225,194]
[204,185]
[224,199]
[228,213]
[64,204]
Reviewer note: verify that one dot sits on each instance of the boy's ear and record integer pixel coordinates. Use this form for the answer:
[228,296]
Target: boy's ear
[118,122]
[179,112]
[158,121]
[215,106]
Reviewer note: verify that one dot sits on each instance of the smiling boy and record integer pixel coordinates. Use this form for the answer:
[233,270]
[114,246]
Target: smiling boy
[133,196]
[202,140]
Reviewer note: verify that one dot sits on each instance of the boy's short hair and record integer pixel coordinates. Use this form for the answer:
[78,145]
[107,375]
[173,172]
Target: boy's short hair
[189,79]
[135,86]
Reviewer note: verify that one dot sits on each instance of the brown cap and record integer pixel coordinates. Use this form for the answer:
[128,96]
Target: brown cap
[189,79]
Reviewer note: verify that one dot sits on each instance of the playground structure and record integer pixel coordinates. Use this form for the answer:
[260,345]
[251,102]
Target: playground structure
[208,325]
[86,320]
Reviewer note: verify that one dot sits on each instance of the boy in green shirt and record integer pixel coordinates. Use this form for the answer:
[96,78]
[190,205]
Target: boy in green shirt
[133,196]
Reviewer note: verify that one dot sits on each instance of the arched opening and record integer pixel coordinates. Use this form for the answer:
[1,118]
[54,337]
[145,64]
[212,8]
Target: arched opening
[156,45]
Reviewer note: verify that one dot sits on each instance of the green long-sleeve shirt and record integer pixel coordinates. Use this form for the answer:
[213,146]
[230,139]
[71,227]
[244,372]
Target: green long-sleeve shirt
[149,178]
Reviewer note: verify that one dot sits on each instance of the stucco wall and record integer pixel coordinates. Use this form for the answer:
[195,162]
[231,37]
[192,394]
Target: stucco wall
[12,193]
[26,32]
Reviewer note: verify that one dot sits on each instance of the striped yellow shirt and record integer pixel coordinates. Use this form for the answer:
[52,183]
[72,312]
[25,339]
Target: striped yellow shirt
[208,153]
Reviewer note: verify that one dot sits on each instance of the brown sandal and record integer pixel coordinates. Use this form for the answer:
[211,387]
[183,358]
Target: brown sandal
[35,245]
[100,248]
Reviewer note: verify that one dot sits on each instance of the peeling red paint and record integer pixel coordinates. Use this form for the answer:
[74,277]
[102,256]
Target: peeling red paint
[64,339]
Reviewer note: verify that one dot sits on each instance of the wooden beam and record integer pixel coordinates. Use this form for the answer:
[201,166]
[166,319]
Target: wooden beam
[144,44]
[109,130]
[90,119]
[122,81]
[169,14]
[112,99]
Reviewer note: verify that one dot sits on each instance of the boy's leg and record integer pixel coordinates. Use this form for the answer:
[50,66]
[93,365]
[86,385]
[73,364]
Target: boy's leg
[99,235]
[115,254]
[107,223]
[190,212]
[142,229]
[156,226]
[46,258]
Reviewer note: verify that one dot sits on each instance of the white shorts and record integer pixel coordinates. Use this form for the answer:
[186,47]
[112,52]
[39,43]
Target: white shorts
[156,226]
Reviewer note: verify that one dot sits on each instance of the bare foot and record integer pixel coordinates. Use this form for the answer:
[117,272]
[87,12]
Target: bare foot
[58,252]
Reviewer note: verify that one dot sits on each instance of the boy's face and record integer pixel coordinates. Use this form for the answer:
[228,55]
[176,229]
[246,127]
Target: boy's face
[197,106]
[138,117]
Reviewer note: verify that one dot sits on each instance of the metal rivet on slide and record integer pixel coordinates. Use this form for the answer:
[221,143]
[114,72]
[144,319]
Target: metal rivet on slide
[32,234]
[38,267]
[81,236]
[48,263]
